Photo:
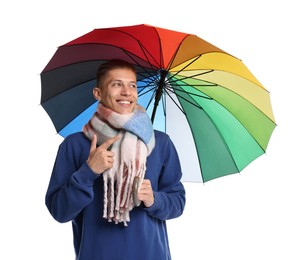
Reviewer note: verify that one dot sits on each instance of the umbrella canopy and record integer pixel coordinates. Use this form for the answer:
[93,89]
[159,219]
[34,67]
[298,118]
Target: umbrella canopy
[217,113]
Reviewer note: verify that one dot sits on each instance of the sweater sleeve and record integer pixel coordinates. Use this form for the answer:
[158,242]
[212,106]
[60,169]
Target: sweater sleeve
[169,195]
[71,185]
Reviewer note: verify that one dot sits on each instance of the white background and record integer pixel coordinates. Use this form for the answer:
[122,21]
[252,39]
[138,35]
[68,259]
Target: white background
[258,214]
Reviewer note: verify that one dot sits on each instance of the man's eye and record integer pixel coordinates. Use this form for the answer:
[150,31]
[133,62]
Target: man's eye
[117,84]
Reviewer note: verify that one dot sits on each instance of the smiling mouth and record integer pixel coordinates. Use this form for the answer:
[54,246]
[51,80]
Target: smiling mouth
[124,102]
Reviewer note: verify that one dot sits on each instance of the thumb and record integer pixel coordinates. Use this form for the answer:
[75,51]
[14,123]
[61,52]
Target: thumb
[93,143]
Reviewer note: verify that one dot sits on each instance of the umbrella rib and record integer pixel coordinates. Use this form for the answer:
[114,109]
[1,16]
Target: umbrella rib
[154,79]
[151,83]
[161,53]
[141,46]
[176,52]
[190,93]
[192,76]
[198,85]
[173,84]
[176,102]
[185,66]
[141,93]
[142,67]
[183,98]
[150,101]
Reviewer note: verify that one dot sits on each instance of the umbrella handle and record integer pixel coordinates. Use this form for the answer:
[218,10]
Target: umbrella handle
[135,189]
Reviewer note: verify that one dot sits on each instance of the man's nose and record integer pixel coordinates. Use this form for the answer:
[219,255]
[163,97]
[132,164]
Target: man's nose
[125,90]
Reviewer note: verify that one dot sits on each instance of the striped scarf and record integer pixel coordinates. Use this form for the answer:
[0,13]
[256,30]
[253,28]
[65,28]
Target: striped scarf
[130,154]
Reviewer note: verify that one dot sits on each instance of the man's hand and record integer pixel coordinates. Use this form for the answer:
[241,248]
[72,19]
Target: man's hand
[146,194]
[100,159]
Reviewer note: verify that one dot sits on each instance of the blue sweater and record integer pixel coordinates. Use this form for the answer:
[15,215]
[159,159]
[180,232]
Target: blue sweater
[75,194]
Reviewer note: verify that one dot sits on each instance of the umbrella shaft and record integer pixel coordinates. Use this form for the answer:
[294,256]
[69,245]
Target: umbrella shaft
[159,91]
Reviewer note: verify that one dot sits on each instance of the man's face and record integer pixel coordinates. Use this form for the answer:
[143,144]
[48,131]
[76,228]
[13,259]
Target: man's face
[118,92]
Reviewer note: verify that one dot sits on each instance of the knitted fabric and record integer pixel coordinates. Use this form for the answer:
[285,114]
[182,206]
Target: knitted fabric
[130,154]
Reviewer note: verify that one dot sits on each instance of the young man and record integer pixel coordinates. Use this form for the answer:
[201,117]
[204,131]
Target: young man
[118,180]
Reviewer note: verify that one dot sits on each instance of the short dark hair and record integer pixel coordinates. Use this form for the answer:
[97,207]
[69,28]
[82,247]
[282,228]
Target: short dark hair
[104,68]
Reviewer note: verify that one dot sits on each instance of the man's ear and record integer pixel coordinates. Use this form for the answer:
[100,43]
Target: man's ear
[97,93]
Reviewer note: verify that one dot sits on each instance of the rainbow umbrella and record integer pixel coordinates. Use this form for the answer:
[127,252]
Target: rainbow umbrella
[217,113]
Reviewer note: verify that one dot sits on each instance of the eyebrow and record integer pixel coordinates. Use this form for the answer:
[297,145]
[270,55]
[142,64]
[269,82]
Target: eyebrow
[118,80]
